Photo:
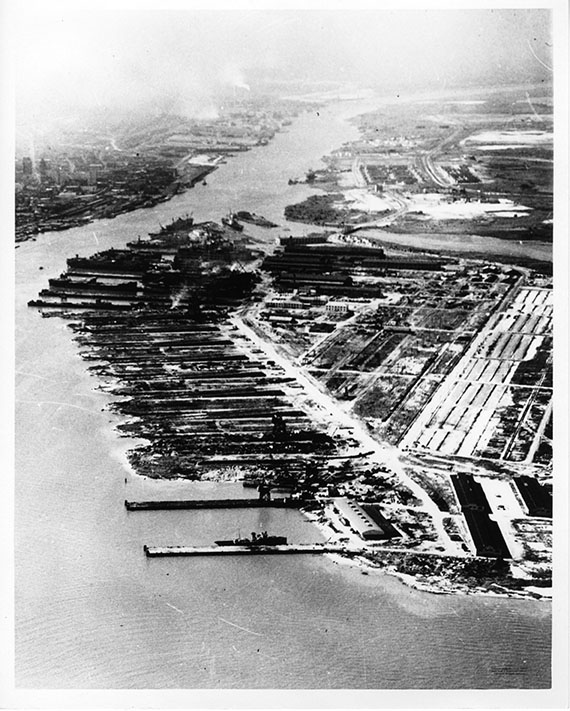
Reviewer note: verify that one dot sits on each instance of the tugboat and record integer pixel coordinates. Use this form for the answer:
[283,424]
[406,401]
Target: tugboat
[230,221]
[263,539]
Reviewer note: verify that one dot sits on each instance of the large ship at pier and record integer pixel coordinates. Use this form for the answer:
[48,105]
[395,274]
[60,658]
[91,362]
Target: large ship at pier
[261,539]
[180,223]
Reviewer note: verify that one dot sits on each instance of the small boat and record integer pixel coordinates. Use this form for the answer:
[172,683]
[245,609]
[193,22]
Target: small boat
[262,539]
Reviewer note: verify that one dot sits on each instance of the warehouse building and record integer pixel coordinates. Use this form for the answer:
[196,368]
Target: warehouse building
[284,303]
[486,534]
[361,522]
[470,493]
[337,307]
[537,498]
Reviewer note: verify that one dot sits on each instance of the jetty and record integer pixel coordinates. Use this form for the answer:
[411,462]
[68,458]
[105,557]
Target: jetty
[216,504]
[296,549]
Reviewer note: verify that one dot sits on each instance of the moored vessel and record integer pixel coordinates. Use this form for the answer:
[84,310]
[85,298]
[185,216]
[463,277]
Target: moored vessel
[231,221]
[262,539]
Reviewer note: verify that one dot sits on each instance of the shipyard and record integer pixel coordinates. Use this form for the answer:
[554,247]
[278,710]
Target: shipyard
[291,364]
[287,385]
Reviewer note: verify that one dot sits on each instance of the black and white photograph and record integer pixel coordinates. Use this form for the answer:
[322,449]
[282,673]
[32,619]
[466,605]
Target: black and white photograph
[288,289]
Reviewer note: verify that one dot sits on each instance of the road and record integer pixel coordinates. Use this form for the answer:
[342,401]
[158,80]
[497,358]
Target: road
[425,164]
[359,179]
[329,410]
[401,207]
[425,160]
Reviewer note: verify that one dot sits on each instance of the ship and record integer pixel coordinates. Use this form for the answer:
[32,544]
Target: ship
[113,261]
[262,539]
[230,221]
[254,219]
[180,223]
[64,283]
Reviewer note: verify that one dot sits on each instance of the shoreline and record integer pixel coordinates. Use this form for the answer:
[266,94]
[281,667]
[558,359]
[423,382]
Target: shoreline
[148,203]
[436,587]
[456,244]
[436,582]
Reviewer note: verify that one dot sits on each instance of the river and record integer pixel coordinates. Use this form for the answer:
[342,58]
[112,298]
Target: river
[93,612]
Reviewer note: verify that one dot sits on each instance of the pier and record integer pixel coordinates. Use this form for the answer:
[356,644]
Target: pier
[296,549]
[216,504]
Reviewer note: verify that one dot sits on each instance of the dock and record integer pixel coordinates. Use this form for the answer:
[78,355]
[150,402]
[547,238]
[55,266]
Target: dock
[215,504]
[296,549]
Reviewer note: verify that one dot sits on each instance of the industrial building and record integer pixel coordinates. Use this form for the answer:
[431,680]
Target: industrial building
[470,493]
[485,533]
[537,498]
[338,307]
[362,522]
[284,303]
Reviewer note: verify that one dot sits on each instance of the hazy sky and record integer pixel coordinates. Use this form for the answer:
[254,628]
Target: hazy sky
[69,58]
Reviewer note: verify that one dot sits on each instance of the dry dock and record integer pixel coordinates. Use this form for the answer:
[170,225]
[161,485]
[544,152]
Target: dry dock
[163,551]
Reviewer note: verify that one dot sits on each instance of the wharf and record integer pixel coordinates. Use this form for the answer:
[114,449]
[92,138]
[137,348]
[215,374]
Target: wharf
[300,548]
[215,504]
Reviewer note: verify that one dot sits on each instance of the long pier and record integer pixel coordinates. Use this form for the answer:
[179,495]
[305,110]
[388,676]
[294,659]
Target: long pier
[300,548]
[214,504]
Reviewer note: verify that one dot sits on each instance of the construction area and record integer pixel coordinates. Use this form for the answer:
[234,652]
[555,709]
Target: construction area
[449,360]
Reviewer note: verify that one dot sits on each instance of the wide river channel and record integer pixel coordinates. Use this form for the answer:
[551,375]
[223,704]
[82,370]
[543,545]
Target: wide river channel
[93,612]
